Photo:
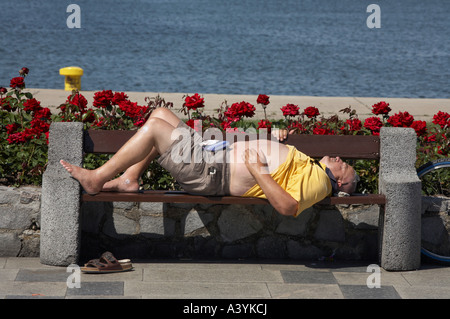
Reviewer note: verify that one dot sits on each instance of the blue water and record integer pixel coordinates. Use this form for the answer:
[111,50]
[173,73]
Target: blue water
[288,47]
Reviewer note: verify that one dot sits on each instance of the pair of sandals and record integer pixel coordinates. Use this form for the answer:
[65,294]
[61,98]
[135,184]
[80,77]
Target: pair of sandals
[107,263]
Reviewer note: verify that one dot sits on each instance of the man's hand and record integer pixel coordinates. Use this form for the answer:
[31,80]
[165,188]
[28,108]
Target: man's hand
[255,161]
[281,134]
[277,196]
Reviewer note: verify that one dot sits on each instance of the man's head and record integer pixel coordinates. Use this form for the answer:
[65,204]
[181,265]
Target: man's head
[345,175]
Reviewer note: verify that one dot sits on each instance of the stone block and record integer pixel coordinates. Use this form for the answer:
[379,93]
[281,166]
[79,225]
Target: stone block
[157,226]
[236,222]
[330,227]
[60,207]
[398,181]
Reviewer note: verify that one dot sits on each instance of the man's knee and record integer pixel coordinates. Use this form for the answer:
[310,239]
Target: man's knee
[160,112]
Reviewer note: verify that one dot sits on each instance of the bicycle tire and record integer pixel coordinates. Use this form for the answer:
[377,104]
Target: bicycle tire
[421,172]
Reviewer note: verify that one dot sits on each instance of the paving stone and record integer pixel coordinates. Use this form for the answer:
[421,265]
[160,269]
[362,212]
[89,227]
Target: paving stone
[363,292]
[98,288]
[43,275]
[304,291]
[308,277]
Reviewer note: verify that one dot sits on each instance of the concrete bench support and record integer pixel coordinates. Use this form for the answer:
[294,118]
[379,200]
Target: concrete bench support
[60,205]
[400,223]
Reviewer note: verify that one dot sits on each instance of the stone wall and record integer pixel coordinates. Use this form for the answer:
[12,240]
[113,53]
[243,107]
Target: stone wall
[19,221]
[156,230]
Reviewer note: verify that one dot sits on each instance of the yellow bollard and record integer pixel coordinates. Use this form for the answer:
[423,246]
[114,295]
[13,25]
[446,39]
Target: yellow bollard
[73,77]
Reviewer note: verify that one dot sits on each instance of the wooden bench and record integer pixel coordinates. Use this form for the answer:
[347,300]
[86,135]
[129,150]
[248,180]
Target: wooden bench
[399,198]
[347,147]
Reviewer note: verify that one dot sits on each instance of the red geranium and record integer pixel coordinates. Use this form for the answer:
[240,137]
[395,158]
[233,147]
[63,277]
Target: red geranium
[103,99]
[194,102]
[290,110]
[374,124]
[311,112]
[263,99]
[381,108]
[442,119]
[401,119]
[17,82]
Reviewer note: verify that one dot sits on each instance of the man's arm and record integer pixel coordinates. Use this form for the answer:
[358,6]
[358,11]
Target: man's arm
[284,203]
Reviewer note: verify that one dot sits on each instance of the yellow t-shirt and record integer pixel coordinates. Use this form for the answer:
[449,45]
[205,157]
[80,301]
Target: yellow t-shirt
[304,181]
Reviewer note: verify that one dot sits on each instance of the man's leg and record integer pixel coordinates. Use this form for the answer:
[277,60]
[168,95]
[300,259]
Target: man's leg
[129,180]
[155,134]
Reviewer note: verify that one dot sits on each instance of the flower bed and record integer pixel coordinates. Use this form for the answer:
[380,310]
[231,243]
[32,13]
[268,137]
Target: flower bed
[25,126]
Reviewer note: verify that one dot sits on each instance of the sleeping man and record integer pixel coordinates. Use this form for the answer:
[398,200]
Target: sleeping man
[264,168]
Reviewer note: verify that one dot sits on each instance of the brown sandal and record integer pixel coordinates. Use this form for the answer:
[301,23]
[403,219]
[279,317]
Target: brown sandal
[107,263]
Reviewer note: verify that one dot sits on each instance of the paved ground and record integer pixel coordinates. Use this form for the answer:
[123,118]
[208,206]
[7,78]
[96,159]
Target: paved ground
[422,109]
[28,278]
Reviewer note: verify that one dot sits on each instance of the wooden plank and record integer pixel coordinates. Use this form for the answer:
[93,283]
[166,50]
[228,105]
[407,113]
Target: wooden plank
[182,197]
[345,146]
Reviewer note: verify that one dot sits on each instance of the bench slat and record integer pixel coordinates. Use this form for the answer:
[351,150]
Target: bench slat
[345,146]
[182,197]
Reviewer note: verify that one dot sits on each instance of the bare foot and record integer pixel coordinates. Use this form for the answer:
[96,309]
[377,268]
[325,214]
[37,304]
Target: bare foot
[87,178]
[121,184]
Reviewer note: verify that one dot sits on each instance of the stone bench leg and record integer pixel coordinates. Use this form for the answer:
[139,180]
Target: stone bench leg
[60,203]
[401,222]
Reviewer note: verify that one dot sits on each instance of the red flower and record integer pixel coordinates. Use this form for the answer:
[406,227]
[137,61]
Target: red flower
[24,71]
[353,125]
[420,127]
[43,113]
[265,124]
[3,90]
[77,100]
[322,129]
[16,138]
[32,105]
[311,111]
[39,126]
[381,108]
[190,123]
[11,128]
[401,119]
[119,97]
[103,99]
[374,124]
[442,119]
[17,82]
[290,110]
[131,109]
[297,127]
[263,99]
[238,110]
[194,102]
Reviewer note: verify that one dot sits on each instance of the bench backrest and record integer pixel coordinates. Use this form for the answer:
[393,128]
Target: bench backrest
[345,146]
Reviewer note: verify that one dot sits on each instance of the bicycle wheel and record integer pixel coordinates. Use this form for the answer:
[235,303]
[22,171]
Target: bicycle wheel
[435,177]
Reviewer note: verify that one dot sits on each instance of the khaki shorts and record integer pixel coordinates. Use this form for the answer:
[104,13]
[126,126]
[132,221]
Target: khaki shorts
[196,170]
